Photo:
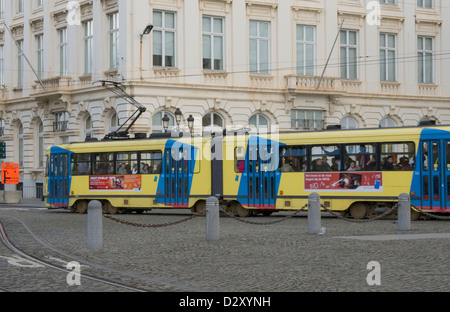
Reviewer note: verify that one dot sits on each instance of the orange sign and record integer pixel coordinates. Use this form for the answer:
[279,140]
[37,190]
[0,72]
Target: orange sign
[10,173]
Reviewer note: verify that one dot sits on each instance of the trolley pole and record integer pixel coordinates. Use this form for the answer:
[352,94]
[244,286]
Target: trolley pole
[314,214]
[95,226]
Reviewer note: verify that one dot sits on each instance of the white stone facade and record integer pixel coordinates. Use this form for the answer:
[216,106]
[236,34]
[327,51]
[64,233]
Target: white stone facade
[253,62]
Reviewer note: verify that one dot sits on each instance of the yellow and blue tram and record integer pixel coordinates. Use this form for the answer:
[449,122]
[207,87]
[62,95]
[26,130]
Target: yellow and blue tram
[353,171]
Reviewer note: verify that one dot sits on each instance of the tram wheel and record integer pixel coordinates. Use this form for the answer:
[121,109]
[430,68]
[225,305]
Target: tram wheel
[200,206]
[241,211]
[266,213]
[358,211]
[415,215]
[81,206]
[108,208]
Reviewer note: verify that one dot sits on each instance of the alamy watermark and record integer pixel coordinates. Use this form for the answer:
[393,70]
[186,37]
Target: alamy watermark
[373,17]
[374,276]
[73,13]
[74,276]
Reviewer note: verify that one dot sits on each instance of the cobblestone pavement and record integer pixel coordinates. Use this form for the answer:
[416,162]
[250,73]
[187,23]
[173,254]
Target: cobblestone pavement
[280,257]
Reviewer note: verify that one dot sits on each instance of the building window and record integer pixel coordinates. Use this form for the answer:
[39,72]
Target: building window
[2,9]
[2,127]
[388,1]
[41,148]
[213,43]
[40,55]
[88,37]
[164,39]
[20,145]
[212,122]
[20,63]
[425,59]
[19,6]
[61,121]
[305,50]
[259,47]
[388,56]
[349,54]
[63,52]
[387,122]
[427,4]
[349,123]
[306,119]
[259,121]
[2,71]
[88,127]
[157,123]
[114,41]
[114,123]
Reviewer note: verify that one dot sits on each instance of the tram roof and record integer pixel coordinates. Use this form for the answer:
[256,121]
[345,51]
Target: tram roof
[307,137]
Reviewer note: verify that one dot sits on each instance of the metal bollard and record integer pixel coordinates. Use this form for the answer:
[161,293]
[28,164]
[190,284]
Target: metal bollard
[212,219]
[95,226]
[404,213]
[314,214]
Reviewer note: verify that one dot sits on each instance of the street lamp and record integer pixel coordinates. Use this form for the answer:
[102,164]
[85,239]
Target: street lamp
[178,115]
[146,31]
[190,121]
[165,121]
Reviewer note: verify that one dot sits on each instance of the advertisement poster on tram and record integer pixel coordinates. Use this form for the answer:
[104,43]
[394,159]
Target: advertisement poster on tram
[115,183]
[344,181]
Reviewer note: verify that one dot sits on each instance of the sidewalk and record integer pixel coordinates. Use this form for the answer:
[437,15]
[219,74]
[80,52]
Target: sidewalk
[27,203]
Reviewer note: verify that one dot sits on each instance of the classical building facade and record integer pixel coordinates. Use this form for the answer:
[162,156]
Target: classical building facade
[276,64]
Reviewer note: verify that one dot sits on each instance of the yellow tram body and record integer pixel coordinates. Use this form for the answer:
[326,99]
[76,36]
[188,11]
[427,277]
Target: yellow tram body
[352,170]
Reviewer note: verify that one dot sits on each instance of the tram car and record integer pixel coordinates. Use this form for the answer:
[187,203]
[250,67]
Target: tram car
[353,171]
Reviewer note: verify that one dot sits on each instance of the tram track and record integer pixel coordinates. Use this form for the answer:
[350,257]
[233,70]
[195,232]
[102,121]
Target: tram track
[5,240]
[112,283]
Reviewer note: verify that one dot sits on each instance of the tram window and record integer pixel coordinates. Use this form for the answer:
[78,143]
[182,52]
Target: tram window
[360,157]
[151,162]
[425,188]
[435,188]
[125,162]
[292,158]
[397,156]
[47,163]
[435,156]
[81,164]
[325,158]
[103,163]
[448,155]
[239,159]
[425,156]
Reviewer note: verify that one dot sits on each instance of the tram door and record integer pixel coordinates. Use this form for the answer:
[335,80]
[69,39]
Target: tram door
[178,175]
[262,174]
[435,174]
[58,180]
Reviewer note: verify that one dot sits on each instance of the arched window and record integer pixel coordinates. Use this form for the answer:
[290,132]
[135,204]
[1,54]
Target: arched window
[41,149]
[157,121]
[349,123]
[259,121]
[387,122]
[88,127]
[212,122]
[2,127]
[114,122]
[20,145]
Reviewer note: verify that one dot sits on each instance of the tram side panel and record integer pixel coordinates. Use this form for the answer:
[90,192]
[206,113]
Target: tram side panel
[184,179]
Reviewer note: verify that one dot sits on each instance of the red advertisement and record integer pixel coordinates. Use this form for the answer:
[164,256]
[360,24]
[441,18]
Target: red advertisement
[344,181]
[115,183]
